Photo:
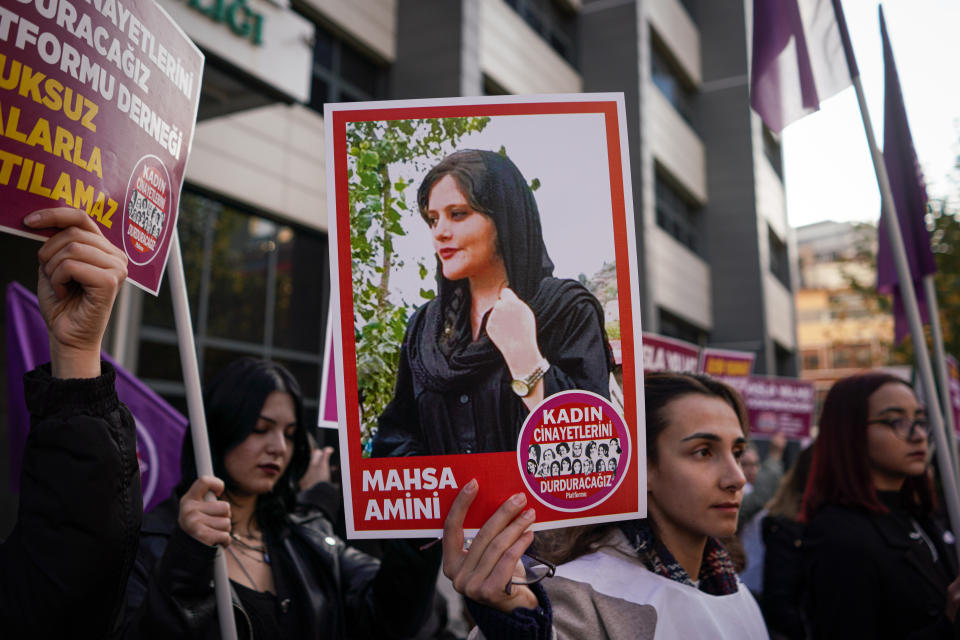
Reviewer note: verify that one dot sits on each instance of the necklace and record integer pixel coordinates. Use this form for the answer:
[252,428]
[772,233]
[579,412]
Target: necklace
[262,549]
[244,569]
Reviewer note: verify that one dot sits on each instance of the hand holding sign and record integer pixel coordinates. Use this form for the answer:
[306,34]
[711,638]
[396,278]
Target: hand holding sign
[79,277]
[482,571]
[207,521]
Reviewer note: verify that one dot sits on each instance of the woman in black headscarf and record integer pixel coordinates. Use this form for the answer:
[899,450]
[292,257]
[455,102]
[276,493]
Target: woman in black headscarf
[502,333]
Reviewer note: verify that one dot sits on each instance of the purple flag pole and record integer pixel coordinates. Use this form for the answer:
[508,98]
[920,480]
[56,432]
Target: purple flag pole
[924,367]
[910,200]
[198,421]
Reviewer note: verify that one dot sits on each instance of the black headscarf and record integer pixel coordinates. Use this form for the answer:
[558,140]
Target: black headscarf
[442,353]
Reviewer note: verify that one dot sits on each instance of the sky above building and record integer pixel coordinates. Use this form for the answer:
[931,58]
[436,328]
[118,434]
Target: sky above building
[827,167]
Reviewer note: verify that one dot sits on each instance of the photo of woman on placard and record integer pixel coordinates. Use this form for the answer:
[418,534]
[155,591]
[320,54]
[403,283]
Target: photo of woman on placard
[502,333]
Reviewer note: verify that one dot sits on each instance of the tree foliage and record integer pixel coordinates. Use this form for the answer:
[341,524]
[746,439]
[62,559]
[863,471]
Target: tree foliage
[944,227]
[383,157]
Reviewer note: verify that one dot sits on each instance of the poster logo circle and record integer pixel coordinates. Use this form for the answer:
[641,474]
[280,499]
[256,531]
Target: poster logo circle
[147,210]
[574,450]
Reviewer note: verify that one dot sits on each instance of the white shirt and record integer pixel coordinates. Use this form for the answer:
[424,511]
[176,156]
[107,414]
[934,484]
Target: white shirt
[683,612]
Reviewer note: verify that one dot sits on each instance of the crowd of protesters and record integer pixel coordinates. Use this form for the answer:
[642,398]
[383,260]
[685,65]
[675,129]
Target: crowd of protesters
[850,540]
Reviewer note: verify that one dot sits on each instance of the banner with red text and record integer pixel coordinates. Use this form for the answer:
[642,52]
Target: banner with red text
[98,102]
[483,258]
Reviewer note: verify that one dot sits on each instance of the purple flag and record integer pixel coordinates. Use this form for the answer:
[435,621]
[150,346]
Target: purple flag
[160,427]
[798,59]
[909,198]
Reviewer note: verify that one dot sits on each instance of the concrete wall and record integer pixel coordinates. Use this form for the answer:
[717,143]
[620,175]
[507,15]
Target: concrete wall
[730,225]
[613,57]
[270,158]
[676,146]
[518,59]
[681,279]
[674,26]
[372,23]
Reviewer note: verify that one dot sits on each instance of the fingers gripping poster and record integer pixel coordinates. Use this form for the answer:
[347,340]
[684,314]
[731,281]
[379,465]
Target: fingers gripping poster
[483,259]
[98,101]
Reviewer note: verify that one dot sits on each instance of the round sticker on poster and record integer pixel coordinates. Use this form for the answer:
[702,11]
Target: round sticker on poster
[146,210]
[574,450]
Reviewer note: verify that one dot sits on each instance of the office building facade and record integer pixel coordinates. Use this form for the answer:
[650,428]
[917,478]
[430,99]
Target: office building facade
[714,246]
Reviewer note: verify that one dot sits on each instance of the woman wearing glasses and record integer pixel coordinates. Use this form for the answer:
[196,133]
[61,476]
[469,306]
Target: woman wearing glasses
[666,576]
[877,564]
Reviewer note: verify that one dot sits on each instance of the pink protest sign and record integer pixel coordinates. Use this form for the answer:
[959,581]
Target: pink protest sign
[777,405]
[98,102]
[661,353]
[726,363]
[953,381]
[328,381]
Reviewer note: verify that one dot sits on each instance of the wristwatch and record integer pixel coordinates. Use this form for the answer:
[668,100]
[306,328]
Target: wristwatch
[524,386]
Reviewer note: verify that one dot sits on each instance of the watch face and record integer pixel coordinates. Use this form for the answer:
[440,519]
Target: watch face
[520,388]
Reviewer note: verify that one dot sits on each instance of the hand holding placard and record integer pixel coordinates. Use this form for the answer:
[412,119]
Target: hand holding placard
[79,277]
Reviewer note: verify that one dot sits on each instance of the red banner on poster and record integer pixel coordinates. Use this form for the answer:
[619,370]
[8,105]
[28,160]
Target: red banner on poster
[482,262]
[661,353]
[98,102]
[724,363]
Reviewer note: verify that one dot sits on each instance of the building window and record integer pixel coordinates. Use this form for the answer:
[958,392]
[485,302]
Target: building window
[811,359]
[852,356]
[666,75]
[674,326]
[675,214]
[341,73]
[779,258]
[256,288]
[772,150]
[784,361]
[552,22]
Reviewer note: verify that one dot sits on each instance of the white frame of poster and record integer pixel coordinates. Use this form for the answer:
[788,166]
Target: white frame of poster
[616,172]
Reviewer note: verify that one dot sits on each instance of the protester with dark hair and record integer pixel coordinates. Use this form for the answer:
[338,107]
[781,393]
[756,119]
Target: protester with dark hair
[64,567]
[782,566]
[876,562]
[664,576]
[502,333]
[763,479]
[290,576]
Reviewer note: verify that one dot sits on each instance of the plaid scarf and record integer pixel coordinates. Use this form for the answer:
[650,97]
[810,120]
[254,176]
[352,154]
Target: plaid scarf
[717,575]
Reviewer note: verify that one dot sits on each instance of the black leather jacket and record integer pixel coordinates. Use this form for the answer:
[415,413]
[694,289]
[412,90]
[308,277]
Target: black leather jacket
[351,594]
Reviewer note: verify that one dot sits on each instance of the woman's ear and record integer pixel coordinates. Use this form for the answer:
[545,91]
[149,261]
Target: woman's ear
[651,476]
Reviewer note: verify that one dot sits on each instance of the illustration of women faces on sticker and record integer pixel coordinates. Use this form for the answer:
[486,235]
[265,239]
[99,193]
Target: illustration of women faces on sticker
[502,333]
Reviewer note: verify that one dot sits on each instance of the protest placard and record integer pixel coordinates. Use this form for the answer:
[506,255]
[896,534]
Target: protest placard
[327,418]
[724,363]
[661,353]
[953,380]
[98,102]
[777,405]
[466,292]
